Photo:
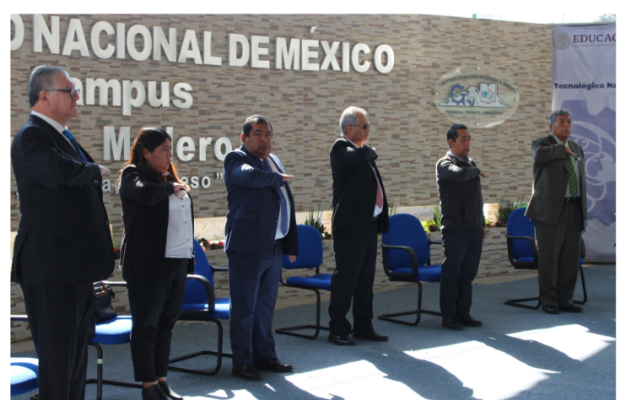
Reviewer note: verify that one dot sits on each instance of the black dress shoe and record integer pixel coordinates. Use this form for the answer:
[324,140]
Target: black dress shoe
[153,392]
[452,323]
[469,321]
[551,309]
[273,365]
[372,336]
[169,392]
[571,308]
[247,372]
[341,340]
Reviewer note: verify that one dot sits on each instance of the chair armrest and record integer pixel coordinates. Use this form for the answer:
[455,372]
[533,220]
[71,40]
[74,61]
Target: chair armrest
[208,289]
[217,269]
[532,242]
[19,318]
[114,283]
[410,252]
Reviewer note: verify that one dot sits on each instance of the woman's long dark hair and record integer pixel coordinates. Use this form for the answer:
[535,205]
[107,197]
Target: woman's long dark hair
[150,138]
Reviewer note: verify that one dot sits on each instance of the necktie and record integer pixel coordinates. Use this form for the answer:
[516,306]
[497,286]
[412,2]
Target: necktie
[75,145]
[379,199]
[283,204]
[572,177]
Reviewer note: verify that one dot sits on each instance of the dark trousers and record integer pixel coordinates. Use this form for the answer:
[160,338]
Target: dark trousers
[155,306]
[462,249]
[559,250]
[253,286]
[61,320]
[353,278]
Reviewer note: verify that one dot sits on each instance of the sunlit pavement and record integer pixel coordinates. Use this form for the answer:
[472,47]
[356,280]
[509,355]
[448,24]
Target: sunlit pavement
[516,354]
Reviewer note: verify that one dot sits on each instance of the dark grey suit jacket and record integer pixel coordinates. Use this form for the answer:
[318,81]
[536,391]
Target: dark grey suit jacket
[64,235]
[551,178]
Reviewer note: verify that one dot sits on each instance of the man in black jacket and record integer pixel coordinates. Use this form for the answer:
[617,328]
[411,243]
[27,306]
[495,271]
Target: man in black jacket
[63,243]
[462,228]
[360,212]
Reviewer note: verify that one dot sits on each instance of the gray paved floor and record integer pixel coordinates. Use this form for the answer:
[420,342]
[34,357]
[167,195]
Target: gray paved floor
[518,353]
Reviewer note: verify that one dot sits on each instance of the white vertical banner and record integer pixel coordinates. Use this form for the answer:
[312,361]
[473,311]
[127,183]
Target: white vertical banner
[584,83]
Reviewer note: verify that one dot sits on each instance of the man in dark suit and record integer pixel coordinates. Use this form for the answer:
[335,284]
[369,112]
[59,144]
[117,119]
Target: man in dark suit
[63,243]
[260,228]
[360,212]
[559,210]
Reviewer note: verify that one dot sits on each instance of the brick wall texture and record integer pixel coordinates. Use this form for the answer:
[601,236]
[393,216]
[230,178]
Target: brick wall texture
[304,106]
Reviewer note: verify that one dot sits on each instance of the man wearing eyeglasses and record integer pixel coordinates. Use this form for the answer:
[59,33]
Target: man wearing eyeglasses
[462,228]
[360,212]
[63,243]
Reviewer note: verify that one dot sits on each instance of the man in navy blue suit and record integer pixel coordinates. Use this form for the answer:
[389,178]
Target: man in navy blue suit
[260,228]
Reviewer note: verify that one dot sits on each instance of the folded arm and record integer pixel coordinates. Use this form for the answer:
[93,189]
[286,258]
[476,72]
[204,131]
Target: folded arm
[137,186]
[543,151]
[347,156]
[48,166]
[448,171]
[239,172]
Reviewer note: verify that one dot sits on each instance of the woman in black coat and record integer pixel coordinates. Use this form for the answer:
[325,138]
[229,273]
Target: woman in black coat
[157,253]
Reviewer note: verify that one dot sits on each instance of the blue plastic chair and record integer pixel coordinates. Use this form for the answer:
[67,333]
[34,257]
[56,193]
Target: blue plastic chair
[407,258]
[24,375]
[523,253]
[200,304]
[113,331]
[310,256]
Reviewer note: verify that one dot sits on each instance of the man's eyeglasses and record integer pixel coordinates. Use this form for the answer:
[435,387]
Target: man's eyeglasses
[72,92]
[364,126]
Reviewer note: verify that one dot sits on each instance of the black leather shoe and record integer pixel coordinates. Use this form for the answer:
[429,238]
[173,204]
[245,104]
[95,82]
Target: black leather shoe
[273,365]
[571,308]
[341,340]
[247,372]
[34,397]
[169,392]
[153,392]
[551,309]
[372,336]
[452,323]
[469,321]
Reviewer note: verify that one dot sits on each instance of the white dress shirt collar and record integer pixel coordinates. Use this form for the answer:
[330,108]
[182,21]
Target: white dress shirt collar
[56,125]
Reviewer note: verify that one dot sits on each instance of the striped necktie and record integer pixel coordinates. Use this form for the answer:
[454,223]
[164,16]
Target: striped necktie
[572,177]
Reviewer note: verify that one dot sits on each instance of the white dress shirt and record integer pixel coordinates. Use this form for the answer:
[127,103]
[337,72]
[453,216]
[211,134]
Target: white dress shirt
[282,189]
[180,241]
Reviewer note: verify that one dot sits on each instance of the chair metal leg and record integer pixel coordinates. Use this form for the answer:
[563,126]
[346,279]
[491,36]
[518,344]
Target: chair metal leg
[99,379]
[517,303]
[418,311]
[317,326]
[583,286]
[219,353]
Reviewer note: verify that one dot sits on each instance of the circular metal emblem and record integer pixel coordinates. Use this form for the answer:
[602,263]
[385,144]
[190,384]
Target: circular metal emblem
[561,41]
[475,97]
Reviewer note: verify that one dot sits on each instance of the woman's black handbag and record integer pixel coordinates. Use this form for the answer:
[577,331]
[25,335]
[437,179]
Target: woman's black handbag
[103,302]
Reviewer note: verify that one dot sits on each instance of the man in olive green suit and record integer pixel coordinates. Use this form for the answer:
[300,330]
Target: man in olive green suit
[558,208]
